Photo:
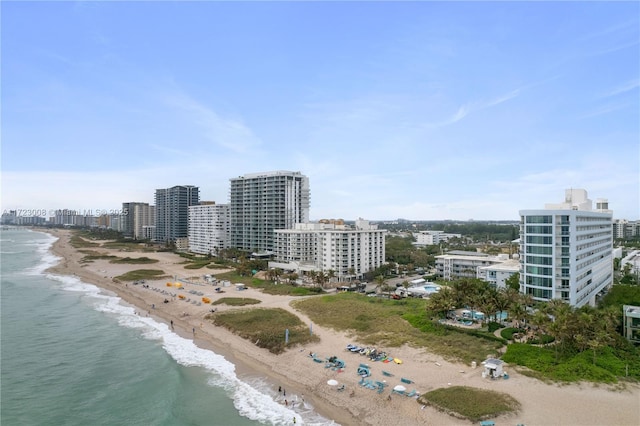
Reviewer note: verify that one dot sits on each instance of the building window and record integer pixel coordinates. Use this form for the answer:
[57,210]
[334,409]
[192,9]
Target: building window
[538,219]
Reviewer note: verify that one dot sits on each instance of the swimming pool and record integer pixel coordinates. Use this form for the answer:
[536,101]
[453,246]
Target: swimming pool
[430,289]
[499,316]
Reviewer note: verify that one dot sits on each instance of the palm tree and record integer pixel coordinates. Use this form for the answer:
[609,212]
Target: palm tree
[274,275]
[312,275]
[485,301]
[518,312]
[243,269]
[292,278]
[463,290]
[352,272]
[560,324]
[501,300]
[321,278]
[330,274]
[442,301]
[379,282]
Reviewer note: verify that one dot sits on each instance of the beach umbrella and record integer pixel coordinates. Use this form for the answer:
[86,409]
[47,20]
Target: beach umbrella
[399,388]
[332,382]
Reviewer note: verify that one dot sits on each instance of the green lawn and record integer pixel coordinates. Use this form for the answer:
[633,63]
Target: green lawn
[377,321]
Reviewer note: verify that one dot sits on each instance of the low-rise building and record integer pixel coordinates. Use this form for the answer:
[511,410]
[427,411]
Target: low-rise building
[433,238]
[631,323]
[498,273]
[464,264]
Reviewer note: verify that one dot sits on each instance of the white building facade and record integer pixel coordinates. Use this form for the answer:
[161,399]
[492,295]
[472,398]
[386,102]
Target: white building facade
[208,228]
[459,264]
[432,238]
[349,252]
[623,228]
[263,202]
[566,250]
[498,273]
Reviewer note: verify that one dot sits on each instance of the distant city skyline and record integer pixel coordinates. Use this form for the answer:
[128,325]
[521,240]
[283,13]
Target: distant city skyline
[414,110]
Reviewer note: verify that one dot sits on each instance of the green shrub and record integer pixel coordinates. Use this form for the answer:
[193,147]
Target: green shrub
[493,326]
[541,340]
[142,274]
[266,327]
[236,301]
[508,332]
[132,260]
[470,403]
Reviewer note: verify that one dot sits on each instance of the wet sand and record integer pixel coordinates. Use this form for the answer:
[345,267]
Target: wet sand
[295,371]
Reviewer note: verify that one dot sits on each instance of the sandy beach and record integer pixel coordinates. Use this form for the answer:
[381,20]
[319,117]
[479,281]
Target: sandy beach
[295,371]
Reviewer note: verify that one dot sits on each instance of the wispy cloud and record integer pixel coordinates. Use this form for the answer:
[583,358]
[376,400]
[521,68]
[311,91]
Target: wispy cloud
[605,109]
[620,27]
[472,107]
[615,48]
[623,88]
[225,132]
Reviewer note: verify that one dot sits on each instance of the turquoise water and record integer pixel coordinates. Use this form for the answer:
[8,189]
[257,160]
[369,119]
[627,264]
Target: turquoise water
[73,355]
[432,289]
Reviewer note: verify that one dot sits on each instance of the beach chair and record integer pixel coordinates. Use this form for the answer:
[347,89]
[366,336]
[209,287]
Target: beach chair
[405,380]
[488,423]
[363,371]
[411,394]
[386,373]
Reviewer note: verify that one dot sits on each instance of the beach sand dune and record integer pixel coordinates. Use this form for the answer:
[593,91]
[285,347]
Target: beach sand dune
[542,404]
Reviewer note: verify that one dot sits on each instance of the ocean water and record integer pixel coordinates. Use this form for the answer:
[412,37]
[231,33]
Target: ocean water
[72,354]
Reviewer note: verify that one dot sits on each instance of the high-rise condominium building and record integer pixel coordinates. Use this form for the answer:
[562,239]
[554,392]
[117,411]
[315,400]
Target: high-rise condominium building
[172,211]
[135,216]
[348,251]
[263,202]
[208,228]
[566,250]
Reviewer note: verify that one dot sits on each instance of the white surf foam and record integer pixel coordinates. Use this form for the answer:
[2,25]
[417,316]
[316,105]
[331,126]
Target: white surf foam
[252,400]
[255,400]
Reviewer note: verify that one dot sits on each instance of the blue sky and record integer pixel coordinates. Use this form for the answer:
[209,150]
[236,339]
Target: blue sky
[416,110]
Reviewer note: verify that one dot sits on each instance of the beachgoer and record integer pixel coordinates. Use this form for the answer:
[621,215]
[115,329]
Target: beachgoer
[171,323]
[294,420]
[153,306]
[279,389]
[389,398]
[284,392]
[194,330]
[286,403]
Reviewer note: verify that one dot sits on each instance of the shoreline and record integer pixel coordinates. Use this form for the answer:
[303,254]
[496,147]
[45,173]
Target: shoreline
[245,365]
[542,403]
